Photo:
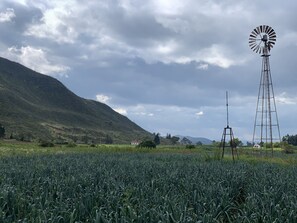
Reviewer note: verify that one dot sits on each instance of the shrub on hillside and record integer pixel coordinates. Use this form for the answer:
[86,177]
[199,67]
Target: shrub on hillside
[147,144]
[288,148]
[2,131]
[71,144]
[46,144]
[190,147]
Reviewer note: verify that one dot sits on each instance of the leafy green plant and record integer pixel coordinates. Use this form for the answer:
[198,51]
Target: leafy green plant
[139,186]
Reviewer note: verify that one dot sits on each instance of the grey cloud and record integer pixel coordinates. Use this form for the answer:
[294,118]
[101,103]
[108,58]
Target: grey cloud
[132,52]
[11,32]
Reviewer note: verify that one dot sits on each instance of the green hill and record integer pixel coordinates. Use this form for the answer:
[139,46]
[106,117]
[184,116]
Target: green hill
[36,106]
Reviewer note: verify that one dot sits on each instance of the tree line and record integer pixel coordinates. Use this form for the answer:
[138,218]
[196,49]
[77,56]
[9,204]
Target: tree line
[290,139]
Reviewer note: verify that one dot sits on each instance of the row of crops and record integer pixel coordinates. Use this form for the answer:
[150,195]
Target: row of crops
[142,187]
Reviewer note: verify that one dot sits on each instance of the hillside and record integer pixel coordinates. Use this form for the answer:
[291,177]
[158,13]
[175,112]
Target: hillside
[36,106]
[195,140]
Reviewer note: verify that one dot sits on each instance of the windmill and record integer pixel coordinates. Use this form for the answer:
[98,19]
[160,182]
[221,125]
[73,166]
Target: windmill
[228,132]
[266,126]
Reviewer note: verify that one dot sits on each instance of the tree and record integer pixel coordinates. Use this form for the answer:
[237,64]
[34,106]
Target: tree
[168,136]
[290,139]
[199,143]
[157,139]
[249,144]
[147,144]
[108,140]
[174,140]
[186,141]
[237,142]
[2,131]
[216,143]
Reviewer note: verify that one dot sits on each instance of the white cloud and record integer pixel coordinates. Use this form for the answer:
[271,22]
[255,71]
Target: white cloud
[202,66]
[36,59]
[283,98]
[7,15]
[22,2]
[62,22]
[54,25]
[216,55]
[199,113]
[103,98]
[122,111]
[168,7]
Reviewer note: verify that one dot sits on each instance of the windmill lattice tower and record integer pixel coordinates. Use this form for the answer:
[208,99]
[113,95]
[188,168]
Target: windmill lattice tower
[228,132]
[266,126]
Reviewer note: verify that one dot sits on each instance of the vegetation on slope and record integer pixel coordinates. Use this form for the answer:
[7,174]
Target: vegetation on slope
[36,106]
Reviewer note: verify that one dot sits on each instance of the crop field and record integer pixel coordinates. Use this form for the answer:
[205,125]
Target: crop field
[124,184]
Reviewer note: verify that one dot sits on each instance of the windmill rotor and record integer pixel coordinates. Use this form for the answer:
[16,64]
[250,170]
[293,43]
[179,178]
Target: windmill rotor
[261,38]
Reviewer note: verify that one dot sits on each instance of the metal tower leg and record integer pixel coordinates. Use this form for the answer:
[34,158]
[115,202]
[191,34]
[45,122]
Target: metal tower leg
[228,132]
[267,120]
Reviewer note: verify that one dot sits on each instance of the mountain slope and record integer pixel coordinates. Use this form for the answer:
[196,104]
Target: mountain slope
[37,106]
[194,140]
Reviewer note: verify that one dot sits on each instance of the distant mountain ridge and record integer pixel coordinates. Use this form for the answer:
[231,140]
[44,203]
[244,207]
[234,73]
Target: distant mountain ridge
[36,106]
[194,140]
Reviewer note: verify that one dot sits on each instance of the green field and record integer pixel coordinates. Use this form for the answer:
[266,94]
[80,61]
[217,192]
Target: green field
[126,184]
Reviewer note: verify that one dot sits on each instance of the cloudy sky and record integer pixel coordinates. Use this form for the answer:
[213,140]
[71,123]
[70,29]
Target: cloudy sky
[165,64]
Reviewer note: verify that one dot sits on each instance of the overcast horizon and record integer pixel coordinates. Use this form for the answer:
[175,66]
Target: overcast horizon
[165,64]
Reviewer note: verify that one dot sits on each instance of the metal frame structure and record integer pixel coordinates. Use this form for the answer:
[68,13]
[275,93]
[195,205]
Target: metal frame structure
[261,40]
[228,132]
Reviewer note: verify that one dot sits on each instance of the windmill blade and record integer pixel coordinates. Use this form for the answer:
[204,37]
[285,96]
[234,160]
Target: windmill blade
[271,44]
[253,35]
[261,29]
[272,40]
[257,49]
[271,32]
[253,46]
[266,29]
[256,31]
[272,36]
[252,42]
[252,39]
